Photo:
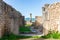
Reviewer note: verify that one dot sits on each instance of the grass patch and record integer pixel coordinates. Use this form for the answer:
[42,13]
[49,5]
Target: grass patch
[16,37]
[36,37]
[9,37]
[54,35]
[24,29]
[28,25]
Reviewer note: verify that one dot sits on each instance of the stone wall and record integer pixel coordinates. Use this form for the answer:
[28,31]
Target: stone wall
[38,23]
[10,19]
[22,22]
[51,17]
[2,22]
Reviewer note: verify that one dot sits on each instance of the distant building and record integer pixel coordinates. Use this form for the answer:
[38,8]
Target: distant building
[39,23]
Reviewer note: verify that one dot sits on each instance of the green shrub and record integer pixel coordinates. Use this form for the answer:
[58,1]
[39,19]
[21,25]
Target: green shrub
[24,29]
[12,37]
[52,34]
[9,37]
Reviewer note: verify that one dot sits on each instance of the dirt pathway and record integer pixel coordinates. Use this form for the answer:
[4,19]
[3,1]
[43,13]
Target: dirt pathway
[38,39]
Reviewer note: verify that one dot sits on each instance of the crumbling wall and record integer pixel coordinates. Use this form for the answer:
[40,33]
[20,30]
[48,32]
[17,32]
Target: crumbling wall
[22,21]
[9,19]
[52,21]
[2,22]
[38,21]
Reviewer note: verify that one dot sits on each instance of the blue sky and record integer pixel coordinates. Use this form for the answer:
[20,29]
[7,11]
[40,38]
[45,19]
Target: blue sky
[29,6]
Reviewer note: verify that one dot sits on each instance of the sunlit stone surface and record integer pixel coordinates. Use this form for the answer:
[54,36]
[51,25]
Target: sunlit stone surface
[10,19]
[51,17]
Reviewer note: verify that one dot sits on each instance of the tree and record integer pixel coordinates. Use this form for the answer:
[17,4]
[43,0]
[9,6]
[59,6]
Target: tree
[30,17]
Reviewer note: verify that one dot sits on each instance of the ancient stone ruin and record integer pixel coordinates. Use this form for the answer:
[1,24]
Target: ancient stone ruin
[38,21]
[51,17]
[10,19]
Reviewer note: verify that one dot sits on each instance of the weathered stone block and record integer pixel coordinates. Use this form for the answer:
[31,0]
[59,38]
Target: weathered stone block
[9,19]
[52,20]
[38,21]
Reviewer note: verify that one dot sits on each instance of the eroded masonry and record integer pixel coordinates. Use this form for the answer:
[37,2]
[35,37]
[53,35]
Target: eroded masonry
[10,19]
[51,17]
